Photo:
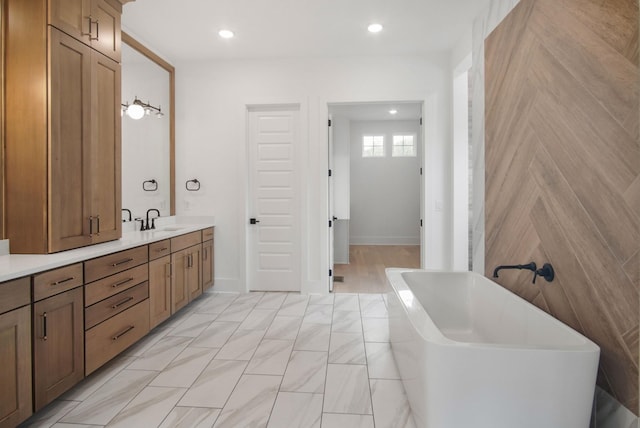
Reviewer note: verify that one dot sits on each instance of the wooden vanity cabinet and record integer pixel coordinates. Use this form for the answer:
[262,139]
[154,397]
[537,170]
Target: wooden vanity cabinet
[58,345]
[116,304]
[15,352]
[207,261]
[63,130]
[93,22]
[159,290]
[186,275]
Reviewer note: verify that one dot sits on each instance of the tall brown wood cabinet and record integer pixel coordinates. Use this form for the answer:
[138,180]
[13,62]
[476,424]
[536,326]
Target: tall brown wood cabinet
[63,124]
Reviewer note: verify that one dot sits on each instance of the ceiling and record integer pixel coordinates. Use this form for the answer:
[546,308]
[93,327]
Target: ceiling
[376,111]
[187,29]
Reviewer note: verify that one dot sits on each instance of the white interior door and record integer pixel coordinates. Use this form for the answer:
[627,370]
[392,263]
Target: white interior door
[274,199]
[332,217]
[422,178]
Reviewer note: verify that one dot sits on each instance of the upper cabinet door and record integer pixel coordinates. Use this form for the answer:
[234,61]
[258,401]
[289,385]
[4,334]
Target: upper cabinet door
[70,222]
[106,148]
[106,28]
[72,17]
[93,22]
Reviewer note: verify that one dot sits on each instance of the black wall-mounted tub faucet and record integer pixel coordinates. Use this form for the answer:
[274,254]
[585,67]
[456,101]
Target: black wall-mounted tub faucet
[546,271]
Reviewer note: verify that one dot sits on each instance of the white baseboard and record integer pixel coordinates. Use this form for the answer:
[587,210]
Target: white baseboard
[228,285]
[384,240]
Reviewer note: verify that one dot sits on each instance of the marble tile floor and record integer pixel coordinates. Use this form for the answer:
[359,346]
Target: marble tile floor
[250,360]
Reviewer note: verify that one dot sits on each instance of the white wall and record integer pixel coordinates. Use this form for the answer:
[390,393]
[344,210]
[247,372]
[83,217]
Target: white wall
[341,167]
[211,144]
[460,166]
[385,191]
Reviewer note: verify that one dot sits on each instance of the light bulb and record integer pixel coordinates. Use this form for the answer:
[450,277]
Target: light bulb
[135,111]
[225,34]
[374,28]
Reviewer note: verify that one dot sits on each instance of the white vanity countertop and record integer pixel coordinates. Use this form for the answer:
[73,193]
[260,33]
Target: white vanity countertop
[18,265]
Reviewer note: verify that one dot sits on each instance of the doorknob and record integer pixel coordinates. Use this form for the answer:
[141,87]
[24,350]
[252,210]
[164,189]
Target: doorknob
[335,218]
[253,221]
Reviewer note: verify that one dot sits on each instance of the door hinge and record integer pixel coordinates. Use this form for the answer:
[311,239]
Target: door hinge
[420,121]
[330,172]
[329,122]
[330,223]
[420,222]
[330,272]
[420,170]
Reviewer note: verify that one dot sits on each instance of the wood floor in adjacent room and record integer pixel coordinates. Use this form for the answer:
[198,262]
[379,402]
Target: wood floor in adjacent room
[365,271]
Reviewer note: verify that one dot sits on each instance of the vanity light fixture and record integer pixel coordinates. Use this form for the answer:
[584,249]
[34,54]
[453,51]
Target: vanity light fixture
[226,34]
[374,28]
[138,109]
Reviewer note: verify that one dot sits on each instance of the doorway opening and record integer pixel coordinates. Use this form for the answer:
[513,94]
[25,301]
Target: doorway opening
[376,190]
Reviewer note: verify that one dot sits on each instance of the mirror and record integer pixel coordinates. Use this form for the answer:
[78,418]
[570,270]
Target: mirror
[148,143]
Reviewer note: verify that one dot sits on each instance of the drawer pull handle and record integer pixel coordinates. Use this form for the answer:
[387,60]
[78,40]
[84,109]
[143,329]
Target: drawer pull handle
[122,302]
[71,278]
[44,326]
[121,262]
[159,250]
[123,332]
[124,281]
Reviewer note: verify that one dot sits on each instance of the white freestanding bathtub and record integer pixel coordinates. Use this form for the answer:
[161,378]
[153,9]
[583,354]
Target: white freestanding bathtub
[472,354]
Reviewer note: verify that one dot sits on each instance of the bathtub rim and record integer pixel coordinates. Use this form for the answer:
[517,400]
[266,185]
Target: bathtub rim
[429,331]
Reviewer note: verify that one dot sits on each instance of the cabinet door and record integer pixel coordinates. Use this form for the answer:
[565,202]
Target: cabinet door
[179,280]
[159,290]
[69,117]
[72,17]
[194,271]
[105,138]
[58,345]
[15,370]
[106,30]
[207,265]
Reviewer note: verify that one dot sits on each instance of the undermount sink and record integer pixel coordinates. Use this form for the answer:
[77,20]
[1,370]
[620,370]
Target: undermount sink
[169,228]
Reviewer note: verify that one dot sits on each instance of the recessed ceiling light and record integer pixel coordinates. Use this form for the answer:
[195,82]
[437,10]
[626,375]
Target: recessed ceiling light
[225,34]
[374,28]
[394,111]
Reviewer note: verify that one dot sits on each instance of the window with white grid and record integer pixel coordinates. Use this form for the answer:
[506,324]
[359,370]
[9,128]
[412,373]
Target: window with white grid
[373,146]
[404,146]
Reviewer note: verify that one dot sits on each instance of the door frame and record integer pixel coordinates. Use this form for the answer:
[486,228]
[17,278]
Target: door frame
[422,141]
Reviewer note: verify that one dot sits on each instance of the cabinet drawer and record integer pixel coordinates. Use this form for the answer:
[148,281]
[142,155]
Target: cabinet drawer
[159,249]
[114,263]
[207,234]
[14,294]
[107,308]
[106,340]
[114,284]
[56,281]
[183,241]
